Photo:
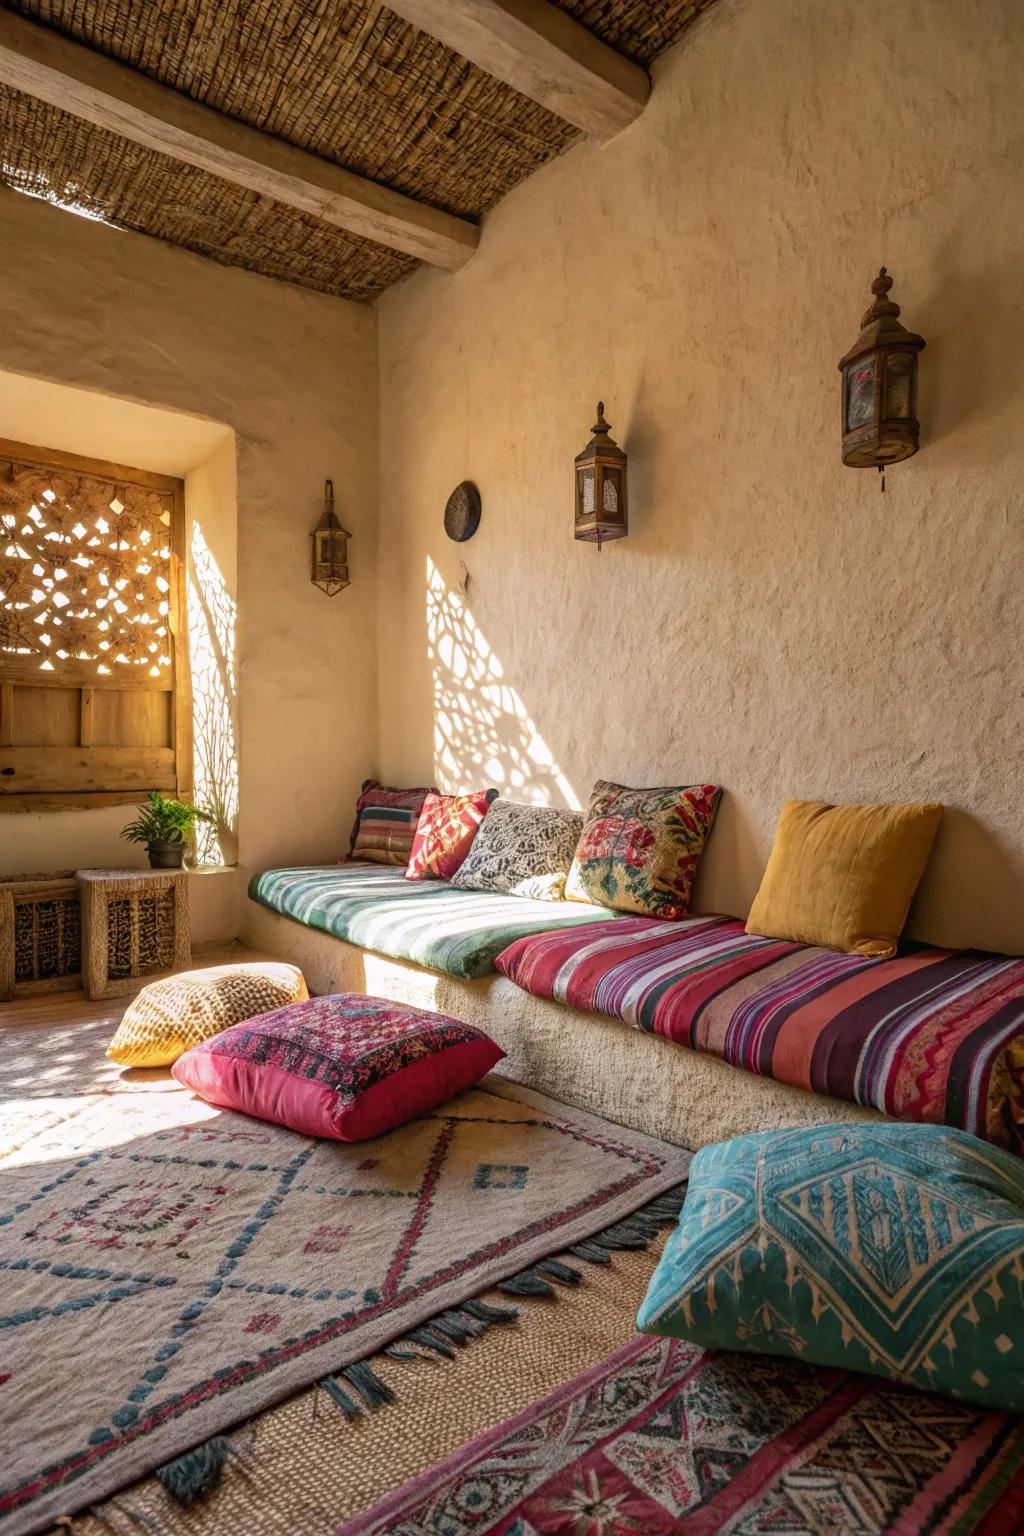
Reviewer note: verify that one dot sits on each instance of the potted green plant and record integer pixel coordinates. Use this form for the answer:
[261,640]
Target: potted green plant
[164,825]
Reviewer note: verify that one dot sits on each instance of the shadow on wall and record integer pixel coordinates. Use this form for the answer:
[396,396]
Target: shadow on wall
[975,362]
[482,730]
[969,896]
[211,631]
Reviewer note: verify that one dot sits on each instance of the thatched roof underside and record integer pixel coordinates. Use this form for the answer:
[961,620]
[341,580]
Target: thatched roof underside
[344,79]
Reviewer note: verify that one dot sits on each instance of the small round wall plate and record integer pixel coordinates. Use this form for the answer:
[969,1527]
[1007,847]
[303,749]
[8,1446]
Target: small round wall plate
[462,512]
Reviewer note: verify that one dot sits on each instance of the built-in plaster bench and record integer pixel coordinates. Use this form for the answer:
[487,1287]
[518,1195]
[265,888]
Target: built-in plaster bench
[932,1035]
[360,928]
[595,1013]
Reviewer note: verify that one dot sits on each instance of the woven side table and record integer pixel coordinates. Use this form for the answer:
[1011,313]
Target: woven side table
[40,935]
[134,924]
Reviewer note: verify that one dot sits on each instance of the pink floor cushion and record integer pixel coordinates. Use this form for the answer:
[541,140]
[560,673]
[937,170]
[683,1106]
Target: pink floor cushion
[347,1067]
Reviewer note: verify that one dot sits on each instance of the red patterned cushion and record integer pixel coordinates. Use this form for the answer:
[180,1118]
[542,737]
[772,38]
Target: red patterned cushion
[346,1067]
[385,823]
[445,833]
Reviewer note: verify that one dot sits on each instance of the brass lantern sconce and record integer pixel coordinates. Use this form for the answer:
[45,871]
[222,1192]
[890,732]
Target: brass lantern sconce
[601,501]
[880,424]
[330,548]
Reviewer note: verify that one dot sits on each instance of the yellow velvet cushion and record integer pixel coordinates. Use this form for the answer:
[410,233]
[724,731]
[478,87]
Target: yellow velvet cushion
[176,1012]
[843,876]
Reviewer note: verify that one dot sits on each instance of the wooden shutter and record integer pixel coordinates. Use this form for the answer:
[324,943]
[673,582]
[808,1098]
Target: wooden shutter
[95,702]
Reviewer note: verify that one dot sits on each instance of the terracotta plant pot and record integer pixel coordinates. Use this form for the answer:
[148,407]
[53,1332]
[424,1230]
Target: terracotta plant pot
[166,855]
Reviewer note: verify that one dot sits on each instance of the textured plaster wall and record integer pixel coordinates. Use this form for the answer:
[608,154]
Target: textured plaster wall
[293,375]
[772,623]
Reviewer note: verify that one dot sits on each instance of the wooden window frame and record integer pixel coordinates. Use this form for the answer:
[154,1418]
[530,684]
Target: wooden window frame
[168,769]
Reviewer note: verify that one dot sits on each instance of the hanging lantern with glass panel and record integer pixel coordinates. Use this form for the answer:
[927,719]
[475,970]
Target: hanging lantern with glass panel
[601,510]
[330,548]
[879,372]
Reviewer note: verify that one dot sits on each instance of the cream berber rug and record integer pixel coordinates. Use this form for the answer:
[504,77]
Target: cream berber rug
[169,1269]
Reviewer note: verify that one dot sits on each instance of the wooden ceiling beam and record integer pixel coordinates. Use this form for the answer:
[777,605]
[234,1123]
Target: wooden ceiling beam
[541,51]
[53,68]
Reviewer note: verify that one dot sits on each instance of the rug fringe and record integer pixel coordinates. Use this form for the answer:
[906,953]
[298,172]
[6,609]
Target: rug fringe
[487,1312]
[591,1251]
[427,1339]
[447,1332]
[364,1379]
[534,1281]
[563,1273]
[528,1282]
[357,1387]
[340,1398]
[374,1392]
[191,1476]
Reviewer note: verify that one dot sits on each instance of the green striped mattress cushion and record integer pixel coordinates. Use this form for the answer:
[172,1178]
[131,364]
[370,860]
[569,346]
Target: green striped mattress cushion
[425,921]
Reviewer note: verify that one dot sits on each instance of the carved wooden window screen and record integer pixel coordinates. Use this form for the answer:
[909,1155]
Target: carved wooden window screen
[95,702]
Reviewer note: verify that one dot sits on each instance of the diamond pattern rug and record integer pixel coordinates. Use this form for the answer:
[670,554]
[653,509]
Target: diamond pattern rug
[664,1437]
[169,1269]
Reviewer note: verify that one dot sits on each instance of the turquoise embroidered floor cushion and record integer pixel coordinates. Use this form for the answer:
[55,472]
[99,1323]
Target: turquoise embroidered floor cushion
[894,1249]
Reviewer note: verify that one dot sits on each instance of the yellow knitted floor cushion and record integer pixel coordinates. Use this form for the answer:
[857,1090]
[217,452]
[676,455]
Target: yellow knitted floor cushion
[170,1015]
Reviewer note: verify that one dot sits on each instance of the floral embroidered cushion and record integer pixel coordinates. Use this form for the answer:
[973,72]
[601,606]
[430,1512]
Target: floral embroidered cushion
[522,850]
[347,1067]
[385,823]
[445,832]
[893,1249]
[641,847]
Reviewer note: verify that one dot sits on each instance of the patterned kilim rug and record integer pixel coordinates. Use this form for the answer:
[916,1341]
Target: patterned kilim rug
[664,1437]
[170,1270]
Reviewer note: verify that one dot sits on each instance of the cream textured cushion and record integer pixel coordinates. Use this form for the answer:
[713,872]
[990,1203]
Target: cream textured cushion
[180,1011]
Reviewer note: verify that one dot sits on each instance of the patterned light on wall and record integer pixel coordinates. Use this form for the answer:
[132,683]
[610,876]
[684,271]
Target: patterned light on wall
[85,574]
[601,511]
[879,372]
[330,548]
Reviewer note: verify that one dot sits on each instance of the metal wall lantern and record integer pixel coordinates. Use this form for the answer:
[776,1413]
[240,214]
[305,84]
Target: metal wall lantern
[330,548]
[601,509]
[880,424]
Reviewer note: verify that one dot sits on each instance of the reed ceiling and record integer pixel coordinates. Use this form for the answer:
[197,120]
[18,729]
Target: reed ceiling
[345,80]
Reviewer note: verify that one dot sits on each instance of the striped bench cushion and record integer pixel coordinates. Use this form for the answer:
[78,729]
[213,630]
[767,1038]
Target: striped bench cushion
[425,921]
[932,1035]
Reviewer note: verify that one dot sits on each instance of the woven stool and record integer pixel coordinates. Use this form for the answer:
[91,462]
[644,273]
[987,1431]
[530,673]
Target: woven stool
[134,924]
[177,1012]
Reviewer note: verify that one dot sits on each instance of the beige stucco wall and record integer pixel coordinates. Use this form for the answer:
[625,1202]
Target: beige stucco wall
[772,623]
[293,375]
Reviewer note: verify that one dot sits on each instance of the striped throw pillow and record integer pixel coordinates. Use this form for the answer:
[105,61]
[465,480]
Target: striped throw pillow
[385,823]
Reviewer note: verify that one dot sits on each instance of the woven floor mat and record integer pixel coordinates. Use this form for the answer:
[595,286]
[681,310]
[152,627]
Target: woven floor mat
[301,1468]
